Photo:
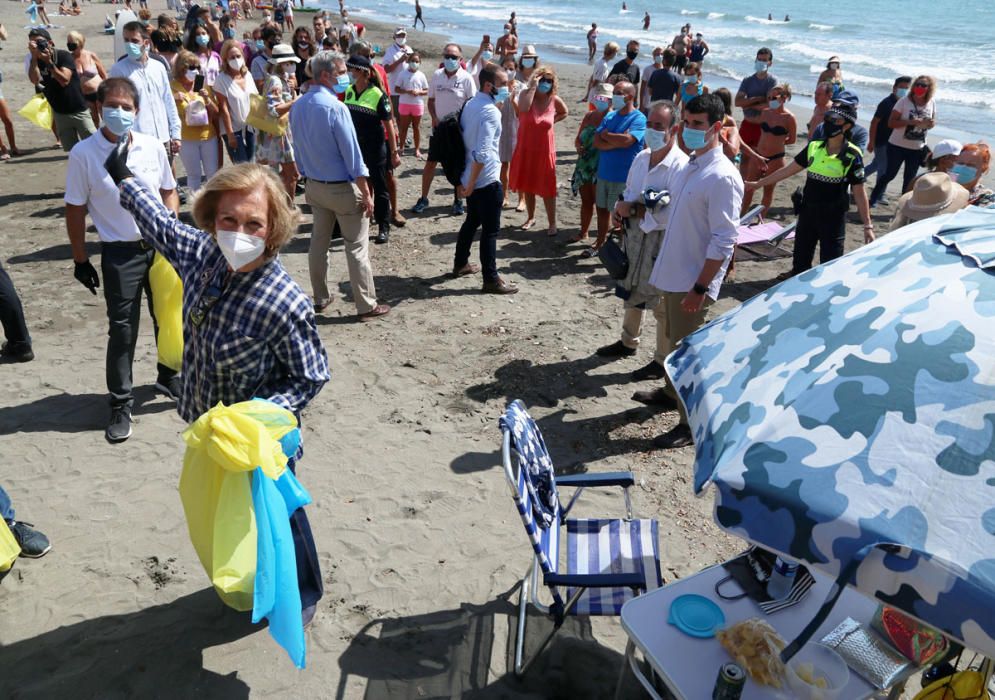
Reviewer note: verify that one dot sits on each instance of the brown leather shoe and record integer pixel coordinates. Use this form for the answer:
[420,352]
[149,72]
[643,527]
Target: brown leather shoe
[468,269]
[398,220]
[655,397]
[499,286]
[376,311]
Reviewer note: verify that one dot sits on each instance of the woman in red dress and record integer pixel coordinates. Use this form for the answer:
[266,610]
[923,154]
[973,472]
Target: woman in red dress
[533,166]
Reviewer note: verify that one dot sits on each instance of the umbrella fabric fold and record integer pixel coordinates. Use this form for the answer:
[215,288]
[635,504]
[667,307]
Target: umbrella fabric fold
[847,419]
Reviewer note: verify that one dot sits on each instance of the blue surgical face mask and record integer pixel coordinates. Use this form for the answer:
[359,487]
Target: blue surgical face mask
[544,86]
[695,138]
[774,104]
[528,63]
[964,173]
[655,140]
[618,102]
[342,83]
[901,92]
[760,66]
[601,105]
[260,45]
[203,40]
[451,64]
[501,94]
[118,121]
[229,33]
[134,50]
[486,55]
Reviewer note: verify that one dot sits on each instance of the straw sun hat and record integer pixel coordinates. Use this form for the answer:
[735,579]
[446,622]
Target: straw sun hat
[932,194]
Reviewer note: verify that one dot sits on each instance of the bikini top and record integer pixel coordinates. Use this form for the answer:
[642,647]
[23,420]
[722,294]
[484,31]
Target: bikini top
[776,130]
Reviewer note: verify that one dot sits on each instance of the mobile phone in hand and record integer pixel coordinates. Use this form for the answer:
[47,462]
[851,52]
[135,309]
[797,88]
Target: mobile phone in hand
[198,83]
[487,38]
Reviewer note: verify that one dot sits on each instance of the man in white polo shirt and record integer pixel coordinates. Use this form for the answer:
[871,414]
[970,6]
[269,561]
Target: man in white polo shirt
[124,258]
[701,232]
[449,89]
[394,61]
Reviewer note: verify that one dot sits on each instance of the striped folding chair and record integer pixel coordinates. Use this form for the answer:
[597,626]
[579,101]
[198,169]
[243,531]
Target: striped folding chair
[608,561]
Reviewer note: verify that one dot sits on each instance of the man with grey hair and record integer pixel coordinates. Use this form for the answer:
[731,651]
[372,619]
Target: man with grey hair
[328,155]
[643,213]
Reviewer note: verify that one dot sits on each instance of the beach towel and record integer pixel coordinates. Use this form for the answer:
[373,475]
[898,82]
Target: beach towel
[9,549]
[238,497]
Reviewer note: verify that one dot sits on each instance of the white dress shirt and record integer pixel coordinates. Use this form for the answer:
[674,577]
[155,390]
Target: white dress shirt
[157,115]
[661,177]
[706,197]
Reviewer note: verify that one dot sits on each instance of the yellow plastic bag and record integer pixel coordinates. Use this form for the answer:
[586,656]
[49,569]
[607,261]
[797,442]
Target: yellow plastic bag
[963,685]
[167,300]
[9,549]
[224,447]
[38,111]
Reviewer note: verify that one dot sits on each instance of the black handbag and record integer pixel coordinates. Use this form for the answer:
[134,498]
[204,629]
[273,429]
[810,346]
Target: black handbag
[614,258]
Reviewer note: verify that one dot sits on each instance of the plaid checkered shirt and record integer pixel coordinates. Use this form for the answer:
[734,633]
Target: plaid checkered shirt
[257,338]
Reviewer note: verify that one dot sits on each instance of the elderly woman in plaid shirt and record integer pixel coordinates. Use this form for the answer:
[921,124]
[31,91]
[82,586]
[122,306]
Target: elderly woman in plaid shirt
[249,329]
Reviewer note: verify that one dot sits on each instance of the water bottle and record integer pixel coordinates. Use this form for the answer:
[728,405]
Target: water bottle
[782,578]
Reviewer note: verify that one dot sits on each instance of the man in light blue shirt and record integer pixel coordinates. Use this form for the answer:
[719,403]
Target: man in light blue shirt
[158,116]
[327,153]
[481,180]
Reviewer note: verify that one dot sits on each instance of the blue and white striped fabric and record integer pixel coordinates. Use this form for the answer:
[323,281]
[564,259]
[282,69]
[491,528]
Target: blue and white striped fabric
[602,546]
[533,461]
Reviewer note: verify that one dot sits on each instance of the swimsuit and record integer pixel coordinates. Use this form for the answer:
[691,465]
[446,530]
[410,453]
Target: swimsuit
[776,130]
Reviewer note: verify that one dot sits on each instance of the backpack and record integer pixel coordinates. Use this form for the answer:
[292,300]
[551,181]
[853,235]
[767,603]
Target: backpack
[448,147]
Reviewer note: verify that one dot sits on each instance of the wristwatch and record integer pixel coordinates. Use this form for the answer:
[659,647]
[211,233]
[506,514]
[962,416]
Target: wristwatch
[699,288]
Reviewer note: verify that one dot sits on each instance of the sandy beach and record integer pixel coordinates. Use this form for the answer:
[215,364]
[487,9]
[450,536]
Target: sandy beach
[420,544]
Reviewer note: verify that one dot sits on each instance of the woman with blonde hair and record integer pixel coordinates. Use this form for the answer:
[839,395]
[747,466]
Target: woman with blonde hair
[198,112]
[249,328]
[533,166]
[91,71]
[911,118]
[232,90]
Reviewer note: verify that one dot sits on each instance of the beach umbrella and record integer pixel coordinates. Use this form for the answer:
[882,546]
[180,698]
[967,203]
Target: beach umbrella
[846,418]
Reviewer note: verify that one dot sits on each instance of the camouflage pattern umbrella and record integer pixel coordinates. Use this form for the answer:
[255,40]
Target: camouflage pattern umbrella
[847,419]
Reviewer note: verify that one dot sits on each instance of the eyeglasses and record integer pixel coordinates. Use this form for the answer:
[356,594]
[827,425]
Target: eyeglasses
[453,58]
[210,297]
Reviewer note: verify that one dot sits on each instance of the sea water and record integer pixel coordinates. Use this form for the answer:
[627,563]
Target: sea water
[876,40]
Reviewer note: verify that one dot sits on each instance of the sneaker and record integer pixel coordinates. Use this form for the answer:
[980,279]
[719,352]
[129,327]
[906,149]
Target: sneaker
[458,209]
[181,193]
[119,429]
[616,349]
[654,370]
[33,544]
[420,206]
[15,354]
[384,235]
[170,388]
[656,397]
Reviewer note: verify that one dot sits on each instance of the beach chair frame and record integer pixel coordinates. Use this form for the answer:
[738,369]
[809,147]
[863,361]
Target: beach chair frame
[543,571]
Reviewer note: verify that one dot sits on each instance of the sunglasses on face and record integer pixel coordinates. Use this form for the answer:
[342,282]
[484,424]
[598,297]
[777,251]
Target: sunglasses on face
[921,85]
[451,57]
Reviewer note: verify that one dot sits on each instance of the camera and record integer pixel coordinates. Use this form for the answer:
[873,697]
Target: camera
[41,44]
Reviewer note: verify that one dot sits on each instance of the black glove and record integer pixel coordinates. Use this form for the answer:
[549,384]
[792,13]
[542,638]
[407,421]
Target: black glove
[87,276]
[117,165]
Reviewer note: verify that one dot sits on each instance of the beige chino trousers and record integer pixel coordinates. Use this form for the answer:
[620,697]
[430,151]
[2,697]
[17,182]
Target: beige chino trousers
[679,324]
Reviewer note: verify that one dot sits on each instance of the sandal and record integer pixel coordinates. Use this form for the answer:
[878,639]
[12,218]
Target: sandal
[4,156]
[375,312]
[551,232]
[528,224]
[589,252]
[579,238]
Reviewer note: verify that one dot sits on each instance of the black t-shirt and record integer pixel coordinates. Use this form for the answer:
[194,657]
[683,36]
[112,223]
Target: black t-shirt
[629,70]
[64,100]
[883,113]
[664,84]
[826,195]
[369,124]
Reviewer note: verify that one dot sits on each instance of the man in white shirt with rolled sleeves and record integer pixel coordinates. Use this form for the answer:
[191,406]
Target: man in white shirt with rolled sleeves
[701,234]
[653,169]
[125,258]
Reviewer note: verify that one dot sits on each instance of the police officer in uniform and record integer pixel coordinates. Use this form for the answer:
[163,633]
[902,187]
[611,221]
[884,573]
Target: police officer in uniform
[835,168]
[371,114]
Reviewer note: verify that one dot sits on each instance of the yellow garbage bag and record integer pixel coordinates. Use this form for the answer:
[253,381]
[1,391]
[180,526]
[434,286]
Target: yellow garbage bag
[224,447]
[167,300]
[963,685]
[38,111]
[9,549]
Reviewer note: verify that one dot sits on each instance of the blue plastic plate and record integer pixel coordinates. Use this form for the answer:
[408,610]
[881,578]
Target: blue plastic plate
[696,616]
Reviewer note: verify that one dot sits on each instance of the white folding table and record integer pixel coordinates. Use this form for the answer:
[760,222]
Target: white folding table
[690,666]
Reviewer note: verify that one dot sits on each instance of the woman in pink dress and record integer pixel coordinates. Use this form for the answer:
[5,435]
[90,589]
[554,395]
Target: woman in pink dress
[533,167]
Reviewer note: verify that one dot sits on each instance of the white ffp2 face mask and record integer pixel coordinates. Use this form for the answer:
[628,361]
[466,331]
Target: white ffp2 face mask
[239,248]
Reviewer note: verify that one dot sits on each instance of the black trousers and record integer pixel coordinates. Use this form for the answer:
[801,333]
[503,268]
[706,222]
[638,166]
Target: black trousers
[483,211]
[12,315]
[377,164]
[125,268]
[822,226]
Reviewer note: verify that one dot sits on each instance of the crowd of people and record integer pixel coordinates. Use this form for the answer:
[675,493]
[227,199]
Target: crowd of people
[316,112]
